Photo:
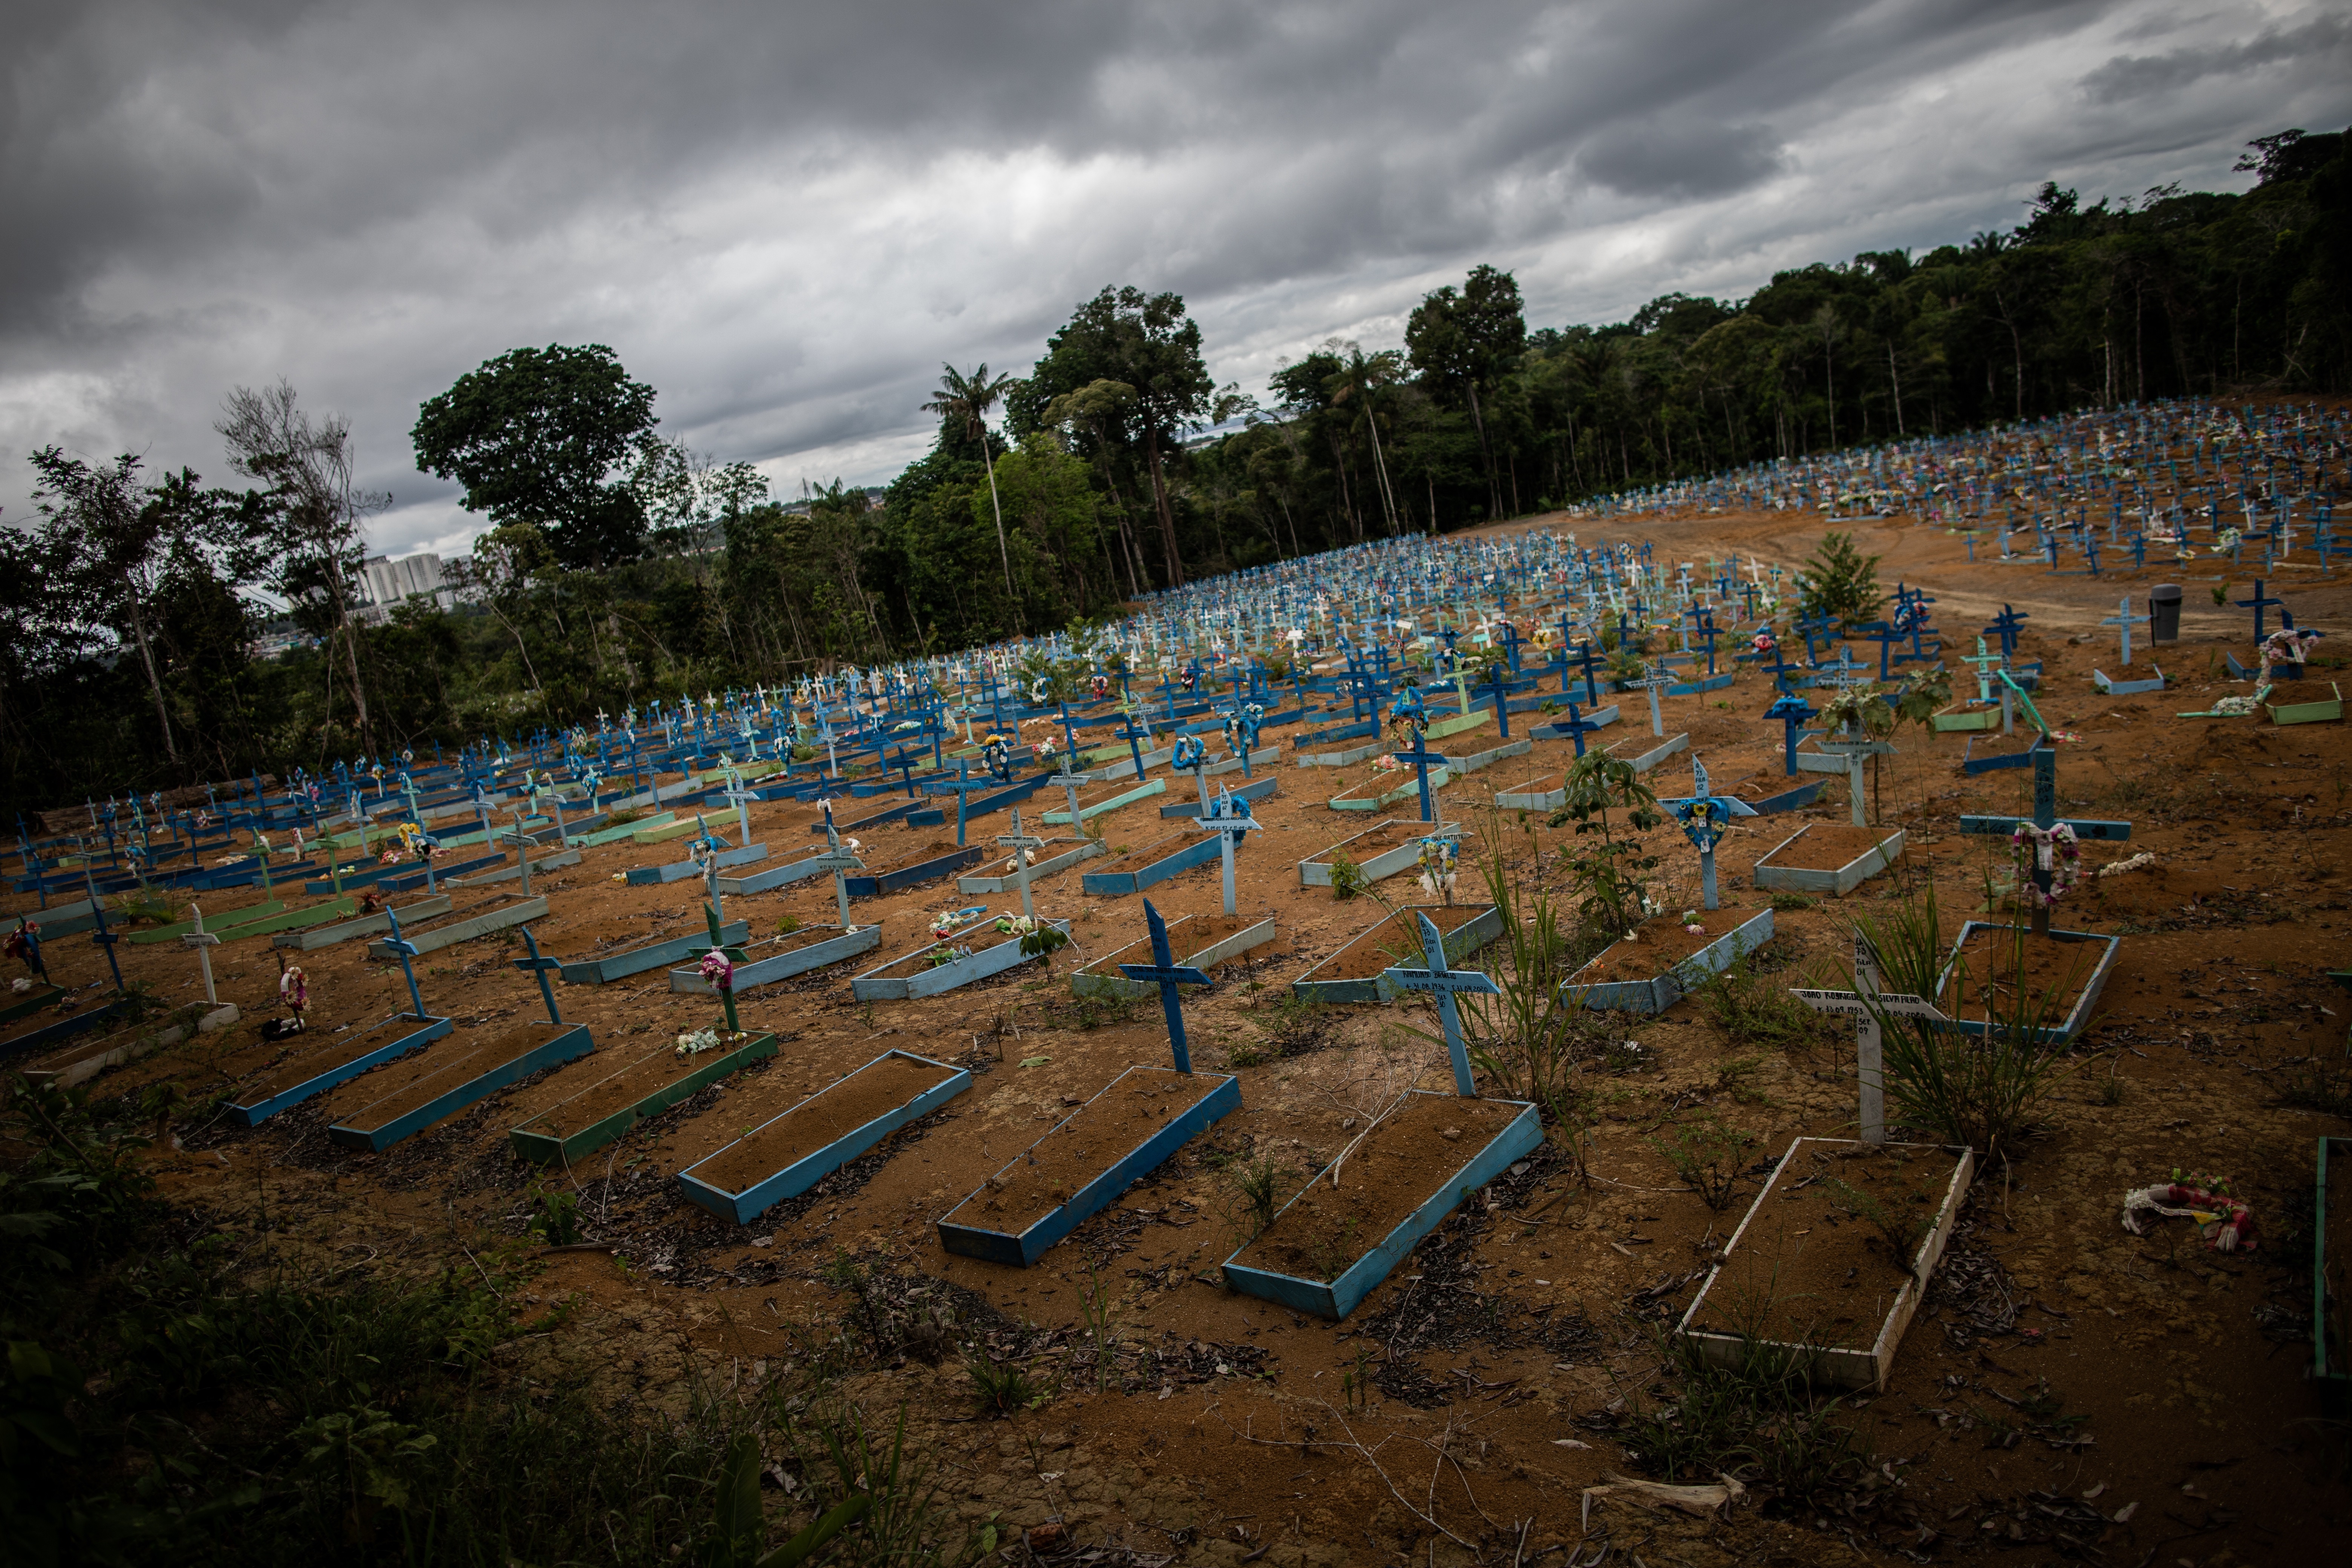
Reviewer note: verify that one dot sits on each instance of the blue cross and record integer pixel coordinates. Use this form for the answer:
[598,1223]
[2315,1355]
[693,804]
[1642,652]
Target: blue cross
[1705,817]
[1421,756]
[1577,727]
[1443,983]
[1791,710]
[962,789]
[404,950]
[1164,972]
[2260,602]
[540,966]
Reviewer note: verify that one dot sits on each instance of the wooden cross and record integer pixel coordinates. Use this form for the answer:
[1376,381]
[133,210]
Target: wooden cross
[1137,732]
[1577,726]
[1020,843]
[1232,820]
[1854,746]
[1443,983]
[1984,664]
[1421,756]
[1705,817]
[2125,620]
[2260,602]
[736,796]
[1791,710]
[963,787]
[732,955]
[1164,972]
[204,941]
[522,847]
[404,950]
[1190,754]
[1866,1004]
[1502,698]
[538,967]
[1651,684]
[2045,817]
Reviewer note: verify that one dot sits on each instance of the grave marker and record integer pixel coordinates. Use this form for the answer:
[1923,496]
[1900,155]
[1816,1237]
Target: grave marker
[1706,818]
[2046,821]
[1443,983]
[2125,620]
[204,941]
[1164,972]
[1865,1003]
[538,967]
[1020,843]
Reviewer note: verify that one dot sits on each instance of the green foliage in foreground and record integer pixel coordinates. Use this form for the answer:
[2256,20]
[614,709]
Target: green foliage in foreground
[182,1388]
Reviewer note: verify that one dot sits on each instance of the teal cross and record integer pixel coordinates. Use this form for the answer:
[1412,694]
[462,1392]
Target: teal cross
[1168,974]
[1442,983]
[732,955]
[2045,816]
[535,963]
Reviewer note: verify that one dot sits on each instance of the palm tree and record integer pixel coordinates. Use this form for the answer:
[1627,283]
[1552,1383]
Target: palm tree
[969,398]
[1360,377]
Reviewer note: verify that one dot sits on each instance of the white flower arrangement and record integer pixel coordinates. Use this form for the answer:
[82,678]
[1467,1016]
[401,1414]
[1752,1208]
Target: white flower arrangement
[696,1041]
[2117,868]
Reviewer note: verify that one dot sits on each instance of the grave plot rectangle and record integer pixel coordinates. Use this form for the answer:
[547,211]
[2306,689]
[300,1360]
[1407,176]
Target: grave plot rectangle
[1314,1256]
[220,924]
[338,1061]
[496,913]
[35,1032]
[1256,789]
[1440,728]
[66,919]
[603,970]
[1704,684]
[1760,1258]
[1379,852]
[786,1157]
[2004,752]
[1346,758]
[357,877]
[1085,849]
[883,818]
[922,973]
[1598,717]
[1793,865]
[1646,752]
[2331,1278]
[1151,865]
[1788,799]
[1085,1162]
[608,1107]
[410,879]
[2109,686]
[936,816]
[1090,808]
[2101,952]
[1202,942]
[1657,993]
[316,937]
[1358,971]
[409,1097]
[292,919]
[539,867]
[1409,790]
[782,957]
[2316,711]
[1366,730]
[1489,757]
[937,861]
[1124,767]
[1544,791]
[1964,716]
[662,833]
[679,870]
[629,831]
[78,1064]
[241,876]
[41,995]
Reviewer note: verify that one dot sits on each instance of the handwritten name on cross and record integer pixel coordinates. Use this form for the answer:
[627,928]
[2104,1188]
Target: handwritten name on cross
[1652,684]
[1230,819]
[1866,1005]
[1441,983]
[404,950]
[1164,972]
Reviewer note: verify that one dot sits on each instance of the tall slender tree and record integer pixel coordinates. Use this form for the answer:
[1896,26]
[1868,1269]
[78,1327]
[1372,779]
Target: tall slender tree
[967,399]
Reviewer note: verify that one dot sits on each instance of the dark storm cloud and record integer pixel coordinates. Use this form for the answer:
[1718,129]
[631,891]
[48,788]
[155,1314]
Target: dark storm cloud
[786,217]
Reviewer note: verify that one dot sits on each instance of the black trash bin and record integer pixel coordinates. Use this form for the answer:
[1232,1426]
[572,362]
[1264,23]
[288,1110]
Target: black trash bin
[2164,612]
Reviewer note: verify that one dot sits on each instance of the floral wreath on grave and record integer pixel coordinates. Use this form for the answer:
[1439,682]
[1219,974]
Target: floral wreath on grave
[718,970]
[1763,642]
[2052,849]
[1101,686]
[694,1042]
[2284,647]
[1187,751]
[2226,541]
[2220,1217]
[294,989]
[1438,871]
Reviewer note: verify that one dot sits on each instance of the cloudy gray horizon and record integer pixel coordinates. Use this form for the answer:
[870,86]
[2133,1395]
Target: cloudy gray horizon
[785,222]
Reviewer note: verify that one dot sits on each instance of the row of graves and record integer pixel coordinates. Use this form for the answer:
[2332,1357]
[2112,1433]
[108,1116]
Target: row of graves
[1423,664]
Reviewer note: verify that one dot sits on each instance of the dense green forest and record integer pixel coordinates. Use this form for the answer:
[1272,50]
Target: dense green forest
[619,564]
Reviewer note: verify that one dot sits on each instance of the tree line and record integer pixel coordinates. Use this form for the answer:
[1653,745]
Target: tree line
[619,564]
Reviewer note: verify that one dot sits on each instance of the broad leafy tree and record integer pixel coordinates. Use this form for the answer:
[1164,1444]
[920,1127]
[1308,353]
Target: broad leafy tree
[547,437]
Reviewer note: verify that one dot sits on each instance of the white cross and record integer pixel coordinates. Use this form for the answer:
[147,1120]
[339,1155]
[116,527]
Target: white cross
[1021,843]
[1865,1003]
[204,941]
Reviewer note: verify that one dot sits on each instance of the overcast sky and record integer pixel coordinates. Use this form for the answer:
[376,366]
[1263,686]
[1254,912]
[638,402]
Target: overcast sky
[784,217]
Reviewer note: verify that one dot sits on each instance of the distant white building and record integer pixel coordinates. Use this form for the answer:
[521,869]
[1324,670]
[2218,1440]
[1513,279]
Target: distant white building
[387,582]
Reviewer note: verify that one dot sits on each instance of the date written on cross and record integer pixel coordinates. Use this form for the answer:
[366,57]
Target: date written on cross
[1852,1005]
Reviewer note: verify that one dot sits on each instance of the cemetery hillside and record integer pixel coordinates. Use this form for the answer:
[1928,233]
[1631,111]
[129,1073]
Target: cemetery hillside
[1721,939]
